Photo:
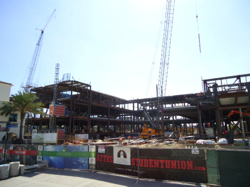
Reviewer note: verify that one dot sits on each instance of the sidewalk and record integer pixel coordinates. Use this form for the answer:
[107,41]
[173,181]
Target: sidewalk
[63,178]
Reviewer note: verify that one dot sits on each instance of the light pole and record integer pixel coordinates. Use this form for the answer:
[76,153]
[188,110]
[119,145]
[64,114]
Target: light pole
[6,139]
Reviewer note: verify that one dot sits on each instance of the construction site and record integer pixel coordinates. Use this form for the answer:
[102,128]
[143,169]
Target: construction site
[200,137]
[220,110]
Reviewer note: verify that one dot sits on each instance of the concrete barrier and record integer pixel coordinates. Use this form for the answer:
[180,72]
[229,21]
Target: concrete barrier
[14,169]
[4,171]
[21,169]
[46,163]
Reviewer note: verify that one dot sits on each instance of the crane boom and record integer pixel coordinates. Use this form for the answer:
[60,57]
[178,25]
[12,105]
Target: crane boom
[166,45]
[48,20]
[34,61]
[36,54]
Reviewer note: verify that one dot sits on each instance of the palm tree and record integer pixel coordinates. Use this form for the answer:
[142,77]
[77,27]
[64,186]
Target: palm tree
[23,102]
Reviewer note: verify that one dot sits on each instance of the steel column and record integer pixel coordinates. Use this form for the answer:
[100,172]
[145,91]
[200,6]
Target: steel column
[217,111]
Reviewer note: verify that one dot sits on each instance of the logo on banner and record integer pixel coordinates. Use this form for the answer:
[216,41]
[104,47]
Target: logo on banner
[122,155]
[39,158]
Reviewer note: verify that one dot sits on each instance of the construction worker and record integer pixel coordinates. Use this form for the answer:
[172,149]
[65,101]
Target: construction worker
[120,141]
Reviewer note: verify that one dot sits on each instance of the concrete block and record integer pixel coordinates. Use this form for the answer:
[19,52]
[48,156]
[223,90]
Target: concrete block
[4,171]
[46,162]
[21,169]
[14,169]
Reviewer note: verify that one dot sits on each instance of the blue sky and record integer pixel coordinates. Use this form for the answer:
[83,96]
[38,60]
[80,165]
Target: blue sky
[111,43]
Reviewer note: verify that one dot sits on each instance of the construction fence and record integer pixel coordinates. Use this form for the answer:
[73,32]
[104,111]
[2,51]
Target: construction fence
[218,167]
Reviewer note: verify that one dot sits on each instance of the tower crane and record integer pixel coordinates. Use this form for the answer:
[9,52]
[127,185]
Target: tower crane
[165,50]
[36,54]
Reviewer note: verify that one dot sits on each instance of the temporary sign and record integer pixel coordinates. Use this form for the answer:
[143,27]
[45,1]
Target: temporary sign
[37,138]
[57,110]
[60,134]
[12,126]
[122,155]
[79,137]
[50,138]
[92,148]
[92,160]
[51,109]
[162,164]
[3,129]
[101,149]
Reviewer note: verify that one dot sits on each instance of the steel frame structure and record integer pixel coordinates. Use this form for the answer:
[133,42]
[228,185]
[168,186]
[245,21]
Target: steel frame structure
[100,115]
[236,83]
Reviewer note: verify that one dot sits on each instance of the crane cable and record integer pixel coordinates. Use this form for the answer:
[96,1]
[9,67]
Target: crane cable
[199,38]
[155,54]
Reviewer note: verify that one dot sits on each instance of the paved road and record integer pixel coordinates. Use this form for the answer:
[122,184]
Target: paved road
[63,178]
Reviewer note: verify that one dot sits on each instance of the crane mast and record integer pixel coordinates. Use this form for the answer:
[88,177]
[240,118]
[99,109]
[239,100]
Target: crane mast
[166,45]
[52,123]
[36,54]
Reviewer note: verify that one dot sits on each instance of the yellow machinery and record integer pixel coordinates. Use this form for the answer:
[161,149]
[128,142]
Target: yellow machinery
[150,132]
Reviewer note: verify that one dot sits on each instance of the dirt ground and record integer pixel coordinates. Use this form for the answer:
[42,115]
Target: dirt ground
[188,145]
[166,144]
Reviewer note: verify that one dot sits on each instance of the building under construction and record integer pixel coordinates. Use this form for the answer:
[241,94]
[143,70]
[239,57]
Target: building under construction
[222,106]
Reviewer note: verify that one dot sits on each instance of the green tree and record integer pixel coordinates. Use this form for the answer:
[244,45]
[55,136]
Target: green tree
[23,102]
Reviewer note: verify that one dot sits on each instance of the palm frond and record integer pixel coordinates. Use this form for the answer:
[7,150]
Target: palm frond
[7,108]
[23,102]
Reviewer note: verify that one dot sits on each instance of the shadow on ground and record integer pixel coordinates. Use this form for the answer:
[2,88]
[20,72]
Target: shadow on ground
[109,178]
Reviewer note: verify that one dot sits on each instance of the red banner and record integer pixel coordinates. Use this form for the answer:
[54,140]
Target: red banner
[23,152]
[32,152]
